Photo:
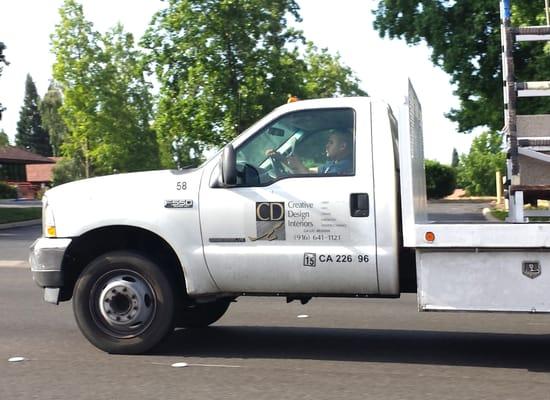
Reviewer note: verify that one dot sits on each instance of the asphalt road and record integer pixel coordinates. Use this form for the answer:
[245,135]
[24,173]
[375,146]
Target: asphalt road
[14,245]
[344,349]
[457,211]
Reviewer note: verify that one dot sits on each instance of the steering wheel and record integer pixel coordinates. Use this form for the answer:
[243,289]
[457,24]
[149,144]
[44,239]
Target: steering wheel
[290,151]
[279,169]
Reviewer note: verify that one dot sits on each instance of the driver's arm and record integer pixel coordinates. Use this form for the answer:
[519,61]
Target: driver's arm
[291,162]
[294,163]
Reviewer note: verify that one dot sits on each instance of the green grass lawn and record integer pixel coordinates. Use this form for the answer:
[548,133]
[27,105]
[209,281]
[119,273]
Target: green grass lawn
[502,214]
[19,214]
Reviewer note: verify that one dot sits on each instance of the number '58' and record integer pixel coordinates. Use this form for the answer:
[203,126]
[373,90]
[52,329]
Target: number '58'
[181,185]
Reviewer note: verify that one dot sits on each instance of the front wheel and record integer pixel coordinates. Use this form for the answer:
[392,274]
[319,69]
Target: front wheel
[123,303]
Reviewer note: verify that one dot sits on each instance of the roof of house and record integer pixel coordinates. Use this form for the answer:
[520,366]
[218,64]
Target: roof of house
[21,156]
[39,173]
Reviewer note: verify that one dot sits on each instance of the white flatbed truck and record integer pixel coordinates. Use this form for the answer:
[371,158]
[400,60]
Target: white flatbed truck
[141,253]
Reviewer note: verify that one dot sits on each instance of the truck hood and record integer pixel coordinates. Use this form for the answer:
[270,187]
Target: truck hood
[92,187]
[118,199]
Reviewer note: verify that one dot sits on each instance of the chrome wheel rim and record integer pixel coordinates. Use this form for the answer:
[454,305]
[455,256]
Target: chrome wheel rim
[123,303]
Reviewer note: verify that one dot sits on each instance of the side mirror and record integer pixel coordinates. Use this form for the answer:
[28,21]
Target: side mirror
[228,166]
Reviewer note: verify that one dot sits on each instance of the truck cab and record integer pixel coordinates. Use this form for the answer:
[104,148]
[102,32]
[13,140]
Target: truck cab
[247,222]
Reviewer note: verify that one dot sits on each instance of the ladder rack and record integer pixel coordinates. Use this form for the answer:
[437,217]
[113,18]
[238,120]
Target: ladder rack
[527,136]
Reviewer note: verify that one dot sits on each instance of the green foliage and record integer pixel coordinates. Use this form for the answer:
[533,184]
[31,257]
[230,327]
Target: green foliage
[476,171]
[30,133]
[2,61]
[7,191]
[440,179]
[67,170]
[220,65]
[4,139]
[326,76]
[51,119]
[40,193]
[465,40]
[455,159]
[499,214]
[107,105]
[224,64]
[2,57]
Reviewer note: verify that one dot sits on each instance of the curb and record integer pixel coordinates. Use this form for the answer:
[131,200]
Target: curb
[21,224]
[20,203]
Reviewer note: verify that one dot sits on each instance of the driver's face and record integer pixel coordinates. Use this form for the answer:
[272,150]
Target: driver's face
[335,148]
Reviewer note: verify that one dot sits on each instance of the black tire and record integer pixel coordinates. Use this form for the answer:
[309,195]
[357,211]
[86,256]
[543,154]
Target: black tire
[124,303]
[200,315]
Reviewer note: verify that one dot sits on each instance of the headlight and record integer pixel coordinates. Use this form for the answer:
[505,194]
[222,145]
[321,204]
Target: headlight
[48,220]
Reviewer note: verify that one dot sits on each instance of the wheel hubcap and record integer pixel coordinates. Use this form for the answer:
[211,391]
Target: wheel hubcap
[126,304]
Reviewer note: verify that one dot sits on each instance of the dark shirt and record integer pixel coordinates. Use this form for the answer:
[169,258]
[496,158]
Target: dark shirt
[340,167]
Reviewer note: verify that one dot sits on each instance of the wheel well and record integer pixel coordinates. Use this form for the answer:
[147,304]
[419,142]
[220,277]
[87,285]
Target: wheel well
[92,244]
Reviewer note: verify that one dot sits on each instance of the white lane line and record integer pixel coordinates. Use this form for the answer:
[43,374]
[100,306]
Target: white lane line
[197,365]
[14,264]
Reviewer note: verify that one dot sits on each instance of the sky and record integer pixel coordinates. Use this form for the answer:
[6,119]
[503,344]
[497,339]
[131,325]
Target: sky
[343,26]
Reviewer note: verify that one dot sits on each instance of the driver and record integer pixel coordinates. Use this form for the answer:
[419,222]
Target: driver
[339,152]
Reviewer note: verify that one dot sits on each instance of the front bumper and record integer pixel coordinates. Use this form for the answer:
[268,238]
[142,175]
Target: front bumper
[46,258]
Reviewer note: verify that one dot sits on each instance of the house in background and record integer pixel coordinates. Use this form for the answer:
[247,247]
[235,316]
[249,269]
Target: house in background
[41,174]
[26,170]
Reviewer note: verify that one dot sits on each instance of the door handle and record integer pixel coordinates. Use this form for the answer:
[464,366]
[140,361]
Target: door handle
[359,204]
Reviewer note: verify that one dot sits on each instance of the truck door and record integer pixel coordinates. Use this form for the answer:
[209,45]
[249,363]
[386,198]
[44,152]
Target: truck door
[301,218]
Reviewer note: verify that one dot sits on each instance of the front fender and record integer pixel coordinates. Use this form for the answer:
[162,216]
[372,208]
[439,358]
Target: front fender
[162,202]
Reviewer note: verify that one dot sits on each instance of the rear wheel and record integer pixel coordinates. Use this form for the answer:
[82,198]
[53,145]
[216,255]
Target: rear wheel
[200,315]
[123,303]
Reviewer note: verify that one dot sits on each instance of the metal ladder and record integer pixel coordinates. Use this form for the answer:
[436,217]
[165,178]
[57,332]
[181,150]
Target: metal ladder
[527,136]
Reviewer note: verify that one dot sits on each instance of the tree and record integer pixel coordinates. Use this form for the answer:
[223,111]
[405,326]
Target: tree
[31,135]
[455,159]
[220,63]
[223,64]
[2,61]
[107,106]
[129,142]
[2,57]
[326,76]
[51,119]
[67,170]
[4,139]
[476,171]
[75,47]
[465,40]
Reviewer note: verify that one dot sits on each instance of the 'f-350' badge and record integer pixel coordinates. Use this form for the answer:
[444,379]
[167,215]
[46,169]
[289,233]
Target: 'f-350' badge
[178,203]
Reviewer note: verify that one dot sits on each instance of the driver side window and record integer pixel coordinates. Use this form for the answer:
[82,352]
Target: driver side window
[302,143]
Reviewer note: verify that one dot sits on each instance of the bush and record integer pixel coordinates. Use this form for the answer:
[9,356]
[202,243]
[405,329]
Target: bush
[40,193]
[7,191]
[440,179]
[476,170]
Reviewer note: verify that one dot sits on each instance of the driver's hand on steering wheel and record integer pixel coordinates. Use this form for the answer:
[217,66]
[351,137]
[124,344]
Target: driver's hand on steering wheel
[292,162]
